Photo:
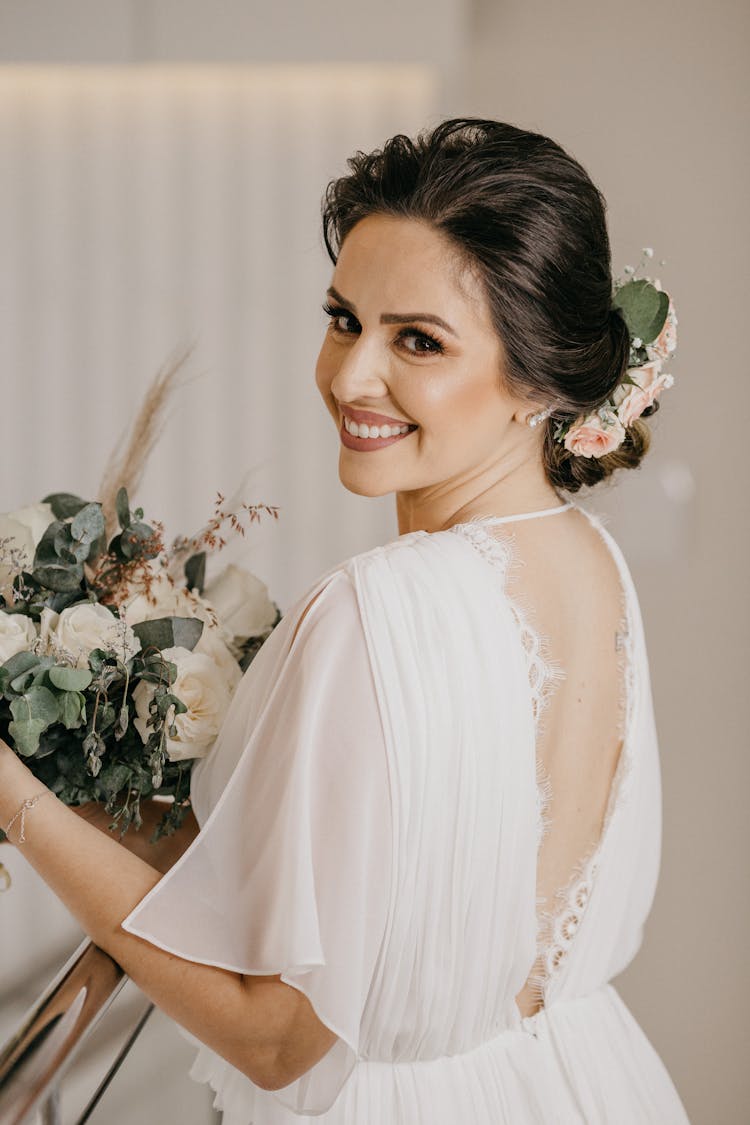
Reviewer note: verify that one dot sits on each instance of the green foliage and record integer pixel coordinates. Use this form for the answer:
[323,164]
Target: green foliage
[64,504]
[643,307]
[70,679]
[66,545]
[195,572]
[123,508]
[74,727]
[169,632]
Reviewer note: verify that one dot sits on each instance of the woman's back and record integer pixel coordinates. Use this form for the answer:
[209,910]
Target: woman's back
[566,587]
[390,873]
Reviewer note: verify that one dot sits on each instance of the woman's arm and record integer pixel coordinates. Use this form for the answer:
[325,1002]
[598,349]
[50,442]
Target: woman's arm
[161,855]
[263,1027]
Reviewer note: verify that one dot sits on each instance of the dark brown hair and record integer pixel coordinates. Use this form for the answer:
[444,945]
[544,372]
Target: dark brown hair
[527,219]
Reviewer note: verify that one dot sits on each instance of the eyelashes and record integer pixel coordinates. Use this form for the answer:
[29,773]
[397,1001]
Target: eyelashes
[335,312]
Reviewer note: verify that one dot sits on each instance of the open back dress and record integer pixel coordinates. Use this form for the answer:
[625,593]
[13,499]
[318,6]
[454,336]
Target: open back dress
[428,815]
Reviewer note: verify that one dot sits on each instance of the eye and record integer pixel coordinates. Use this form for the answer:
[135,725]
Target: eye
[424,344]
[338,314]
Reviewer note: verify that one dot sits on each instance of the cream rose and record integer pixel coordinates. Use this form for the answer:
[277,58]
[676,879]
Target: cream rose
[242,603]
[17,634]
[37,518]
[25,528]
[203,689]
[88,625]
[212,644]
[594,437]
[632,399]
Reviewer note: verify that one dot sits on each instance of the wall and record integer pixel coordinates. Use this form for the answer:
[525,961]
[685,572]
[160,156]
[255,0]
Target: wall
[653,100]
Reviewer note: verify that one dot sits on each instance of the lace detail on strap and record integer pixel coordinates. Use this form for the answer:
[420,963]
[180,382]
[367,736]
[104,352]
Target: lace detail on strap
[544,672]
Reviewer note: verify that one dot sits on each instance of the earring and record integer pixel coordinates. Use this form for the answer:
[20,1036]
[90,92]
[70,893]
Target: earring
[535,419]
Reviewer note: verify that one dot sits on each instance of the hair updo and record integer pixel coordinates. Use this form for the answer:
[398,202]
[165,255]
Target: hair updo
[527,219]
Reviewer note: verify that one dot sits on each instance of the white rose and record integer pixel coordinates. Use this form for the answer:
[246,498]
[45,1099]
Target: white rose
[17,634]
[89,625]
[37,518]
[25,528]
[162,600]
[212,644]
[242,603]
[203,689]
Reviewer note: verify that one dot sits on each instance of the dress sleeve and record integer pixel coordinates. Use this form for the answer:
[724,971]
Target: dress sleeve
[290,873]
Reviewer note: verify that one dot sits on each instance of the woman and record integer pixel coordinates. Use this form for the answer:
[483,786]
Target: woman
[430,828]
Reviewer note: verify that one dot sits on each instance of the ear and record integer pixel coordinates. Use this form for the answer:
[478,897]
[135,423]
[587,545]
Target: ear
[525,410]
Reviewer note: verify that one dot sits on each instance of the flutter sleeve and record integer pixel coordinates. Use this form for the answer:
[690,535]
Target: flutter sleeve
[290,872]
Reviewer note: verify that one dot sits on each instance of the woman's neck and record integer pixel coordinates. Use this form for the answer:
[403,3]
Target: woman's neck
[502,498]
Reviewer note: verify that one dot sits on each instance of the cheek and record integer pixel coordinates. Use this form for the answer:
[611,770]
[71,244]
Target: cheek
[324,371]
[458,405]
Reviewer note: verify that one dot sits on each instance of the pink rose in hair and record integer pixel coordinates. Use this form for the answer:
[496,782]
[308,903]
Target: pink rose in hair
[631,400]
[666,342]
[595,435]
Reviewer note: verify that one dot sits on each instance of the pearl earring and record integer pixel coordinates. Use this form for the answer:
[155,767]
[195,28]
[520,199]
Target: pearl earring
[535,419]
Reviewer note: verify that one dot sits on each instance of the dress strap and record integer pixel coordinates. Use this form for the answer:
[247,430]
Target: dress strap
[527,515]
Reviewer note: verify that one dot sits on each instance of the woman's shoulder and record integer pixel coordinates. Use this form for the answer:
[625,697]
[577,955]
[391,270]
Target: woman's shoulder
[415,566]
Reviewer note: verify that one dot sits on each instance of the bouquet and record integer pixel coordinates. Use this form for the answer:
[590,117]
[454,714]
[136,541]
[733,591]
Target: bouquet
[118,660]
[115,676]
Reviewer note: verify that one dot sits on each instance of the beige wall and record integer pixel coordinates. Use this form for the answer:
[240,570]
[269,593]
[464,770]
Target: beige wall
[653,100]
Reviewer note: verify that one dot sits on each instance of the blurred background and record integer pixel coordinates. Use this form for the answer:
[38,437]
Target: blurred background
[161,169]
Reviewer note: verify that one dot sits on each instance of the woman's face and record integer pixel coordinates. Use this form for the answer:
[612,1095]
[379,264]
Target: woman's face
[410,341]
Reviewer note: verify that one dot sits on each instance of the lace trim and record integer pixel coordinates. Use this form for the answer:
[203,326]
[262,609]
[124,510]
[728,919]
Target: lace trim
[544,672]
[557,927]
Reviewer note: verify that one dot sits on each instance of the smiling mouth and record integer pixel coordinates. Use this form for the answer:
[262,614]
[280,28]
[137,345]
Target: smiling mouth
[368,444]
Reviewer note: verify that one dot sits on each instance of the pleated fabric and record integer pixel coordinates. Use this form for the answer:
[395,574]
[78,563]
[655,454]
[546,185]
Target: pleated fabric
[369,824]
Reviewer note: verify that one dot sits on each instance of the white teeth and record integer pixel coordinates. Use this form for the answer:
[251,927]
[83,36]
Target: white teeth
[364,431]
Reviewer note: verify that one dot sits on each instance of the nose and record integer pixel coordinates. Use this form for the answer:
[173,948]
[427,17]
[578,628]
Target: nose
[360,374]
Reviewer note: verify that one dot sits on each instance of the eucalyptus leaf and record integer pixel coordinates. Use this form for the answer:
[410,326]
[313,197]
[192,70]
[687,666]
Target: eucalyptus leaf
[46,549]
[195,571]
[64,504]
[133,542]
[38,703]
[61,577]
[106,717]
[63,540]
[70,709]
[169,632]
[21,662]
[22,683]
[88,524]
[123,508]
[26,734]
[70,679]
[60,601]
[643,307]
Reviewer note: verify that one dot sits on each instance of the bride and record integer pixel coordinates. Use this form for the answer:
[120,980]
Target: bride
[428,836]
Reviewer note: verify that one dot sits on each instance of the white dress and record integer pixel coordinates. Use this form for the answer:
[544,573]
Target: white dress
[370,819]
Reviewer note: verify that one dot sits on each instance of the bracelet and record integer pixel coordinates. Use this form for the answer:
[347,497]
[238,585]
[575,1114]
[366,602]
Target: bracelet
[27,804]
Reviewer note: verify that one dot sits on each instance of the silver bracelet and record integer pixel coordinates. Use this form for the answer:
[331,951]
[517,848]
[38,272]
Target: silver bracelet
[27,804]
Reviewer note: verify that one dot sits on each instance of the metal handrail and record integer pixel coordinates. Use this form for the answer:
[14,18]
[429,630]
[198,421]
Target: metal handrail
[54,1030]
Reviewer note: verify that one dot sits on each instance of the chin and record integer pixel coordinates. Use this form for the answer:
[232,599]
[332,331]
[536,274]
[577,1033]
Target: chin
[364,486]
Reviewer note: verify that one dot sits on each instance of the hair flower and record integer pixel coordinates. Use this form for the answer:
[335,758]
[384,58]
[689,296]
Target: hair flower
[595,434]
[645,383]
[651,319]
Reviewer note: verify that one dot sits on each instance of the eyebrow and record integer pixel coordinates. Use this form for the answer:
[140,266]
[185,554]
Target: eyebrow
[397,318]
